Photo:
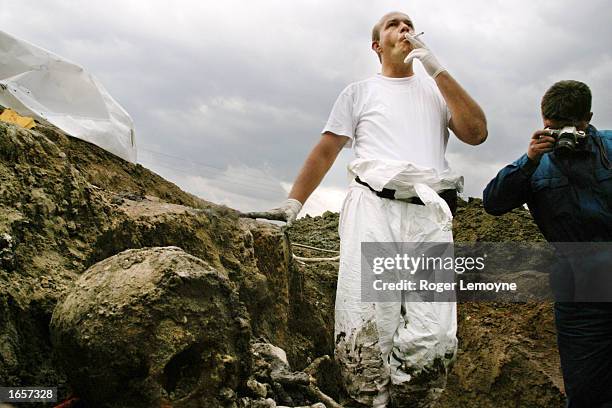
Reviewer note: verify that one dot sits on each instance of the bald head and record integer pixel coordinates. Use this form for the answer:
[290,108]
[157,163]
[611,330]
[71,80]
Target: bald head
[389,18]
[380,23]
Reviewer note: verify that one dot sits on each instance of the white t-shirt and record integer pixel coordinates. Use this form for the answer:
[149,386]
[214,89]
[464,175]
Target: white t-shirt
[402,119]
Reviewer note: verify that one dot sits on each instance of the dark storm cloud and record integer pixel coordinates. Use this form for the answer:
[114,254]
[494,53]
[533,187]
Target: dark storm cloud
[229,97]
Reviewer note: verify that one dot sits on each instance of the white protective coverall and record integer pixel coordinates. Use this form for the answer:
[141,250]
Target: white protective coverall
[35,82]
[384,354]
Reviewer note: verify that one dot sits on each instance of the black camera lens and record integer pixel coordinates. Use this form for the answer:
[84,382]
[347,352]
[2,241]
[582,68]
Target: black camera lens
[566,142]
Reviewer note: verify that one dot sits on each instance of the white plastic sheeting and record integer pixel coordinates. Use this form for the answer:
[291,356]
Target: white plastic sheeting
[368,334]
[35,82]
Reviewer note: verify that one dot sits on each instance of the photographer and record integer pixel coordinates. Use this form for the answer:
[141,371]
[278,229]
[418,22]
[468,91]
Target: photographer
[566,180]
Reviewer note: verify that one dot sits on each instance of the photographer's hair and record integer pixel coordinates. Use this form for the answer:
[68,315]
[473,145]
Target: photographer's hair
[567,101]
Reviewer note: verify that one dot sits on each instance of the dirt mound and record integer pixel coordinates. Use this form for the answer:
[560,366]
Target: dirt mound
[66,205]
[473,224]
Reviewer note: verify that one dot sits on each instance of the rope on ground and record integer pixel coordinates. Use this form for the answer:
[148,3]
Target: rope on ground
[315,248]
[303,260]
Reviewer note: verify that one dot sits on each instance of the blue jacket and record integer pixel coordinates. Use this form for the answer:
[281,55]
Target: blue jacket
[570,198]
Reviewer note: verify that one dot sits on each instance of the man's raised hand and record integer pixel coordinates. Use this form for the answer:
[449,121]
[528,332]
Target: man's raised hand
[423,54]
[541,142]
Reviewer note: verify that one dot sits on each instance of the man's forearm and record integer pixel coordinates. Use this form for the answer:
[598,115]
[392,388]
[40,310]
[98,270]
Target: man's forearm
[468,119]
[314,169]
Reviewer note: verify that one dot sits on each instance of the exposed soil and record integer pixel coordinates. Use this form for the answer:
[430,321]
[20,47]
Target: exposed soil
[66,205]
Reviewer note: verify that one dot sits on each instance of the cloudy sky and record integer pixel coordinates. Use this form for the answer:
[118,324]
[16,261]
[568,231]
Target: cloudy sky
[228,97]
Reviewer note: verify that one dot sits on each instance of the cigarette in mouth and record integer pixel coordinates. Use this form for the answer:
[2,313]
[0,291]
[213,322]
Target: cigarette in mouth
[419,34]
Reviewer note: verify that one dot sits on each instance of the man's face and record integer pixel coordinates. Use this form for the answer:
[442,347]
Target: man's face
[393,44]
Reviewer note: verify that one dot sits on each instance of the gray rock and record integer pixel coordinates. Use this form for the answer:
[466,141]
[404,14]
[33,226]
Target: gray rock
[258,389]
[150,325]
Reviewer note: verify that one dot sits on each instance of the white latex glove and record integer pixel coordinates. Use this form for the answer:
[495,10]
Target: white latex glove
[287,211]
[423,54]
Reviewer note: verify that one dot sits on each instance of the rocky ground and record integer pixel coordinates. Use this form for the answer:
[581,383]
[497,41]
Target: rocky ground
[123,290]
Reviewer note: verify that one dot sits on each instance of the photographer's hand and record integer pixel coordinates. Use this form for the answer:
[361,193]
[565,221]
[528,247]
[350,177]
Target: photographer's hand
[541,142]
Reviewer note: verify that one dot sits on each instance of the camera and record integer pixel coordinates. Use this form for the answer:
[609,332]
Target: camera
[567,138]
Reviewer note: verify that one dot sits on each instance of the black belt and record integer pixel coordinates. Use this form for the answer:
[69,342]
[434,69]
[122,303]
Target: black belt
[450,196]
